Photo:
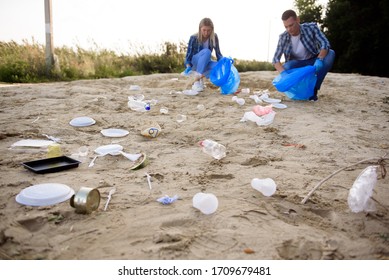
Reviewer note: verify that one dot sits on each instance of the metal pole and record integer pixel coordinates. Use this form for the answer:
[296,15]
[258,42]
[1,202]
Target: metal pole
[49,37]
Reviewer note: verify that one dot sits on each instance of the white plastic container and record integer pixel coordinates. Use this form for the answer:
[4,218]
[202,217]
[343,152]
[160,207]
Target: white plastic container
[207,203]
[238,100]
[214,149]
[265,186]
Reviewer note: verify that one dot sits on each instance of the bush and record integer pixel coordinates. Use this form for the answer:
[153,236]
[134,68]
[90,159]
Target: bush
[26,62]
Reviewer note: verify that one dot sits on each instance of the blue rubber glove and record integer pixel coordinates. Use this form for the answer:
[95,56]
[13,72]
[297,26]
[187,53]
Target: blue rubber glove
[187,70]
[318,64]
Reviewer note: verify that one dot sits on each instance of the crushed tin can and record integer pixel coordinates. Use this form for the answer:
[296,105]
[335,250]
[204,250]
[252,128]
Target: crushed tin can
[86,200]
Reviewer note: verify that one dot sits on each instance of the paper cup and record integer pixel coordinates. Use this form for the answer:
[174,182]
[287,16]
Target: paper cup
[152,131]
[207,203]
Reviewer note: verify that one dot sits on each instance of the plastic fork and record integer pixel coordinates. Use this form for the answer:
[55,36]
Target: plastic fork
[111,192]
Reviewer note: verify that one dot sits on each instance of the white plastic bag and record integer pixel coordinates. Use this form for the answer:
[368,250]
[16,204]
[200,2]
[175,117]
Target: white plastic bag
[259,120]
[362,189]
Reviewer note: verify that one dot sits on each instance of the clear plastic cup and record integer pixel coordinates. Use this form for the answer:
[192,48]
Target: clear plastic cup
[181,118]
[164,110]
[83,151]
[200,107]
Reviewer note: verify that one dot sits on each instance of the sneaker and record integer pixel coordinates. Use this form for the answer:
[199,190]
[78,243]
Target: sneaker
[314,96]
[198,86]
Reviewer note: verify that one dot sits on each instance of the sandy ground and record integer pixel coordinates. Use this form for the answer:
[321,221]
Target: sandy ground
[305,143]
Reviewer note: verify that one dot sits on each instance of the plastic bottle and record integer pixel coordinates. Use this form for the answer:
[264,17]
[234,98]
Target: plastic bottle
[213,148]
[138,105]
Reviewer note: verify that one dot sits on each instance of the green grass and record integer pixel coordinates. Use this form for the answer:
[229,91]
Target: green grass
[26,63]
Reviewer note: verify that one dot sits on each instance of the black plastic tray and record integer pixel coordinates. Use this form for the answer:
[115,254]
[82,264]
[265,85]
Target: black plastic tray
[49,165]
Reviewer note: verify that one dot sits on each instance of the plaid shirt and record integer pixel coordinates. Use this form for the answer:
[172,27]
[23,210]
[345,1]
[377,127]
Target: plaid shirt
[194,47]
[311,37]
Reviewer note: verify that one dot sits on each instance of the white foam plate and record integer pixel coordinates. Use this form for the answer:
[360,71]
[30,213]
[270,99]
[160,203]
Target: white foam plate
[36,143]
[109,149]
[279,105]
[82,121]
[114,132]
[44,194]
[190,92]
[271,100]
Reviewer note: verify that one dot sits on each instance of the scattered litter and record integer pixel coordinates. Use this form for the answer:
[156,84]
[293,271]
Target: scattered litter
[35,119]
[111,192]
[151,131]
[259,120]
[262,110]
[190,92]
[249,251]
[175,92]
[167,200]
[134,87]
[256,98]
[52,138]
[148,179]
[33,143]
[359,197]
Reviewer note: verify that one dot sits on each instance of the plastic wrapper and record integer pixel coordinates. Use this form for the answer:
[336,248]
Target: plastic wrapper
[362,190]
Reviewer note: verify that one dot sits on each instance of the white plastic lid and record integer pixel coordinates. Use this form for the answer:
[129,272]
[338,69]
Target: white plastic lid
[44,194]
[82,121]
[108,149]
[114,132]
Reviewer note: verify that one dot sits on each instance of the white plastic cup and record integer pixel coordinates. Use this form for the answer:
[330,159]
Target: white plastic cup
[83,151]
[181,118]
[238,100]
[245,90]
[164,110]
[265,186]
[200,107]
[207,203]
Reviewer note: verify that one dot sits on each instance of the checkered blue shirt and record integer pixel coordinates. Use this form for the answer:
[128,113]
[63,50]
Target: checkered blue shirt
[194,47]
[311,37]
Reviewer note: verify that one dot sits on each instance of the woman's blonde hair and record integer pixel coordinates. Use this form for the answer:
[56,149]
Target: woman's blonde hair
[206,22]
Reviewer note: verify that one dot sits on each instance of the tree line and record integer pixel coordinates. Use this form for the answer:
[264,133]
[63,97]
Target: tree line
[357,31]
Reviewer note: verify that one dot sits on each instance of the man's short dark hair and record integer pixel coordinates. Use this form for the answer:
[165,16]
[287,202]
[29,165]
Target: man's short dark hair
[288,13]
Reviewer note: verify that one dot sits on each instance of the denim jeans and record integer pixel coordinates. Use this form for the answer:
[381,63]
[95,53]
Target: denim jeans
[328,61]
[202,62]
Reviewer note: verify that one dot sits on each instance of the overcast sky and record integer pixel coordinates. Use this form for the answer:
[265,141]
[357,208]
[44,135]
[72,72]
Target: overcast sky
[247,29]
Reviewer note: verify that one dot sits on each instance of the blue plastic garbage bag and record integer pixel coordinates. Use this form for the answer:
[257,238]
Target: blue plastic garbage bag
[297,83]
[225,75]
